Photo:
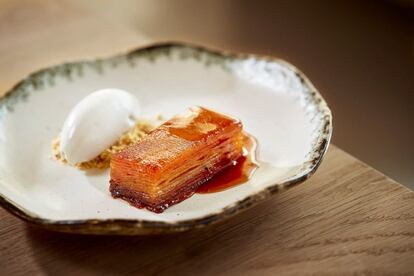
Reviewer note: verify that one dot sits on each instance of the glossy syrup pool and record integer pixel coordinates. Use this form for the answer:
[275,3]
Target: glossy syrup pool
[238,173]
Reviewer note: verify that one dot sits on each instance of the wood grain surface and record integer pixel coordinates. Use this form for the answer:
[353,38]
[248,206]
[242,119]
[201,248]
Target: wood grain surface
[348,219]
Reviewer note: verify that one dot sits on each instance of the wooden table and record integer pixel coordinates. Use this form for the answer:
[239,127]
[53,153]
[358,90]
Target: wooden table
[347,219]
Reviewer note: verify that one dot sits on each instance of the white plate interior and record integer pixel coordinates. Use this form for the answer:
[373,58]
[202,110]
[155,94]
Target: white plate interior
[269,97]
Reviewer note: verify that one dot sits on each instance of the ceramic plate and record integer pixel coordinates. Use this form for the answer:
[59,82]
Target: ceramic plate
[276,103]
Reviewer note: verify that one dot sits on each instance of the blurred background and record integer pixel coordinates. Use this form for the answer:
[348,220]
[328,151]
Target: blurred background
[359,54]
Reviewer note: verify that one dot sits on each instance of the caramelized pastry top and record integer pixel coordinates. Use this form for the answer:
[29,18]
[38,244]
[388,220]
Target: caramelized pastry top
[198,123]
[178,136]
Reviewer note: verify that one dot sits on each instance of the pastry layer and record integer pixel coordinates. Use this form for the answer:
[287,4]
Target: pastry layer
[170,163]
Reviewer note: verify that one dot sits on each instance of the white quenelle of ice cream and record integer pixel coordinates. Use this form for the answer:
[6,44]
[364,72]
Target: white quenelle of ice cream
[96,122]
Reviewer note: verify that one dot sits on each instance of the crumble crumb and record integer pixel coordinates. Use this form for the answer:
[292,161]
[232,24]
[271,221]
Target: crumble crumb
[140,130]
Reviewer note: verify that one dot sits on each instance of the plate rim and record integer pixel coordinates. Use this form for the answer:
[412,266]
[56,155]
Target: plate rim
[142,227]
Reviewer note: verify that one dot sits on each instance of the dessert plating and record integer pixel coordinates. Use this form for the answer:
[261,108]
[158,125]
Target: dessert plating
[168,165]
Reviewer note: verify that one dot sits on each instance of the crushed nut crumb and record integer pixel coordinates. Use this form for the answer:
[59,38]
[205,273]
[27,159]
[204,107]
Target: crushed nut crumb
[140,130]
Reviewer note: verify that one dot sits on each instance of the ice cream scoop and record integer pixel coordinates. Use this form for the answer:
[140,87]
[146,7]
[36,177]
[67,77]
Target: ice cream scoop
[96,122]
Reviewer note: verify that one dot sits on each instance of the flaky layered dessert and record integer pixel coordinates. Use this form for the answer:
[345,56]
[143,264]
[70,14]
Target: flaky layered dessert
[170,163]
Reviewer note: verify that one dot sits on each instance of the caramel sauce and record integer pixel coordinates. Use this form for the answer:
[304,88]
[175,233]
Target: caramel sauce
[236,174]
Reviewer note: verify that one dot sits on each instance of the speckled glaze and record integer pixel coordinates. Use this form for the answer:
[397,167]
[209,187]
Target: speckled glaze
[236,76]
